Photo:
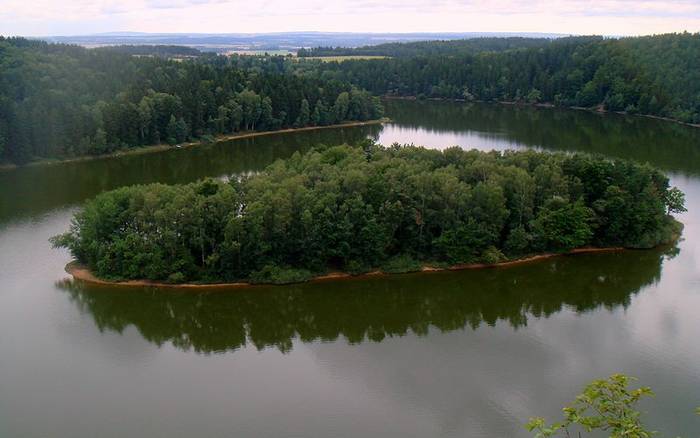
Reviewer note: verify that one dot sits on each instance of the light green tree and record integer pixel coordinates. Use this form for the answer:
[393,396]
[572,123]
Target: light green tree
[607,405]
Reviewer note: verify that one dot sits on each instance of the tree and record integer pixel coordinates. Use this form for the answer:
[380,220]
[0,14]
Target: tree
[518,242]
[341,106]
[267,121]
[235,115]
[3,141]
[145,119]
[99,142]
[320,115]
[223,121]
[675,201]
[304,114]
[171,131]
[534,96]
[182,131]
[467,95]
[562,225]
[604,405]
[250,103]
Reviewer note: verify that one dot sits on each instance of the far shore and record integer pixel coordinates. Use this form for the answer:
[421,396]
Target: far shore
[596,109]
[241,135]
[83,274]
[138,150]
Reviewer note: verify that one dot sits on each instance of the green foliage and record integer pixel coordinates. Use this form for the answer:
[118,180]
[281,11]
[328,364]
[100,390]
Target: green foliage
[61,101]
[176,277]
[304,114]
[657,75]
[359,208]
[534,96]
[518,241]
[675,200]
[605,405]
[401,264]
[279,275]
[562,225]
[423,48]
[492,255]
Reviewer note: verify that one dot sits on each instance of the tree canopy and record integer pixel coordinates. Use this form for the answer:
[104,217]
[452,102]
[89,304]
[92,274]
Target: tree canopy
[60,101]
[654,75]
[362,208]
[439,47]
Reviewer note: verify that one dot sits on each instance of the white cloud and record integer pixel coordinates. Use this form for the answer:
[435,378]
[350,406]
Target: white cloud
[617,17]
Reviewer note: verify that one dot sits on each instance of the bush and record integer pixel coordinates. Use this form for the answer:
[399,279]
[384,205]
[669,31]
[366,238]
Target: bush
[207,138]
[401,264]
[280,275]
[355,267]
[176,277]
[492,255]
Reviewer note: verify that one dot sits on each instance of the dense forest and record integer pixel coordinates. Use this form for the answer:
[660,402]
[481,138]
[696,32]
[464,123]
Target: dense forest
[361,208]
[424,48]
[60,101]
[656,75]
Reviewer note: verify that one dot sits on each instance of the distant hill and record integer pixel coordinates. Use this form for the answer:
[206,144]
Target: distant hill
[157,50]
[435,47]
[290,41]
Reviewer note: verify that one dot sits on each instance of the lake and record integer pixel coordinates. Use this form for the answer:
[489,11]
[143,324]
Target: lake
[449,354]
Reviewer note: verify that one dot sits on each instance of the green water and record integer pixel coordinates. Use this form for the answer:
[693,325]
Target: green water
[463,354]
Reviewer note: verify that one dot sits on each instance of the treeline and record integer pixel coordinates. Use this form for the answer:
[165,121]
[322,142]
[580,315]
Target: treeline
[64,101]
[164,51]
[357,209]
[656,75]
[423,48]
[555,130]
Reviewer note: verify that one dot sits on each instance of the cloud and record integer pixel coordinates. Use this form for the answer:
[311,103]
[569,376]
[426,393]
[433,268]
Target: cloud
[180,4]
[617,17]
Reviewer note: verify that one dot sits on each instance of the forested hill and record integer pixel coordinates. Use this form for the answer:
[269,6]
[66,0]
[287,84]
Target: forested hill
[59,101]
[62,101]
[656,75]
[423,48]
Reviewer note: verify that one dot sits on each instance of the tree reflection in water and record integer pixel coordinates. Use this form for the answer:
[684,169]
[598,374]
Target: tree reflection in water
[369,310]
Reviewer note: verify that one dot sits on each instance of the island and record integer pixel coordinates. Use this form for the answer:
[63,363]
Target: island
[370,208]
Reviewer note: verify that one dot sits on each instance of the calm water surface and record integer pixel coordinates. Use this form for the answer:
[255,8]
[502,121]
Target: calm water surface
[466,354]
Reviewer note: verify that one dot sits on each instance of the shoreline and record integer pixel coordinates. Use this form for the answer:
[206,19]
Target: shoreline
[164,147]
[595,110]
[241,135]
[82,273]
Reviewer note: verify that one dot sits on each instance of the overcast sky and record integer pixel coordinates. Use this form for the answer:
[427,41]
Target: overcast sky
[610,17]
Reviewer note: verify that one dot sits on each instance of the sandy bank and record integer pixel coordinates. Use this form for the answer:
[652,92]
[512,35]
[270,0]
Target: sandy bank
[163,147]
[82,273]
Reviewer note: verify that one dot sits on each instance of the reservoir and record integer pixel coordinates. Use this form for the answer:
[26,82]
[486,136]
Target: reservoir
[449,354]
